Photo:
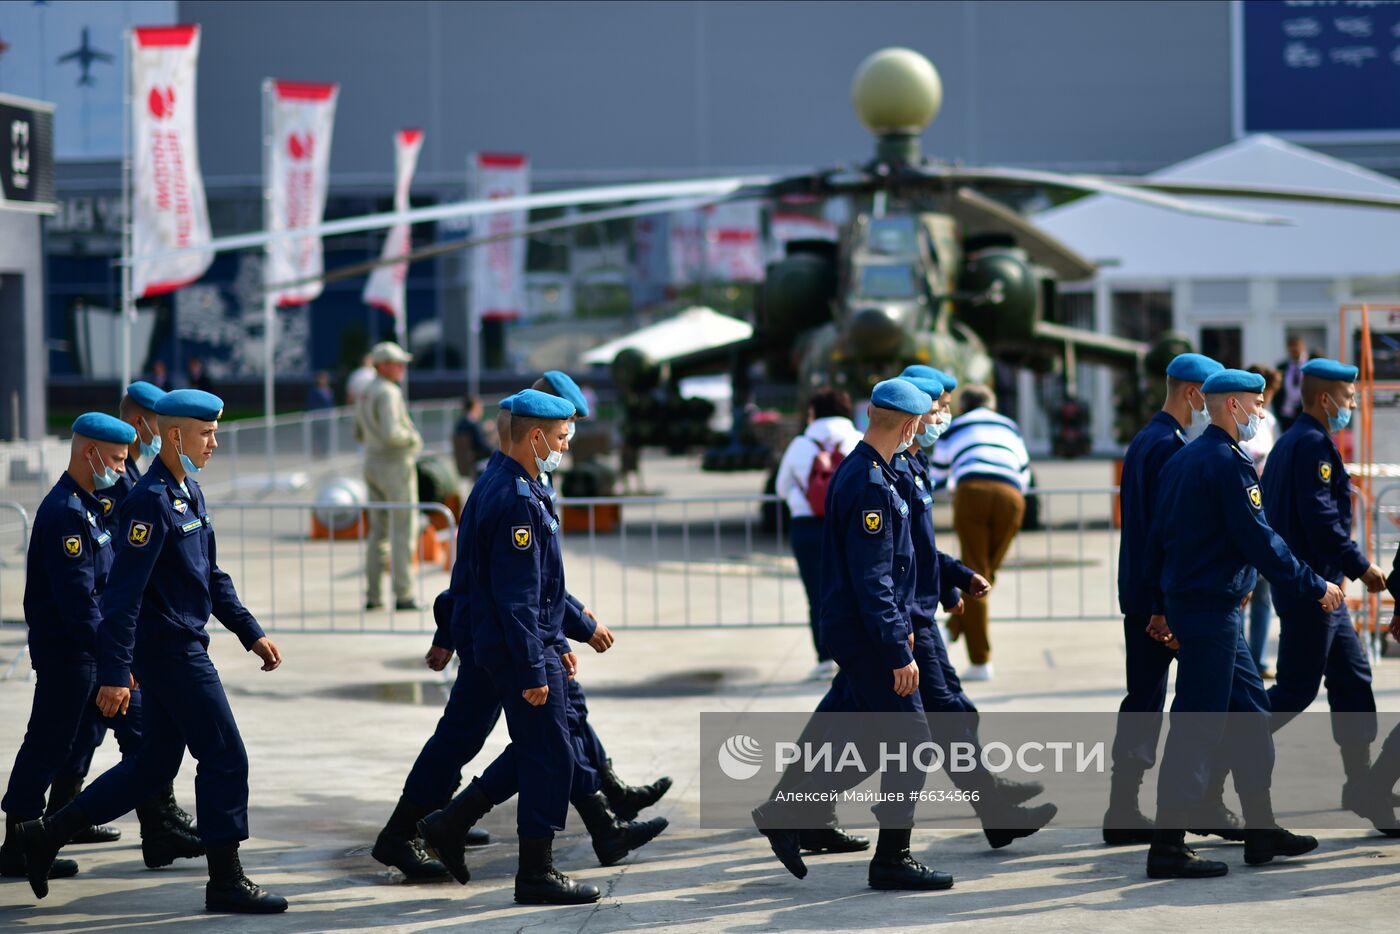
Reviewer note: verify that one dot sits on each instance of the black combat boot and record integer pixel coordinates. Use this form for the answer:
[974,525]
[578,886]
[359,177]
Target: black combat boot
[1170,858]
[538,883]
[1263,837]
[173,813]
[1372,795]
[41,840]
[627,801]
[229,890]
[12,856]
[398,846]
[1002,824]
[614,838]
[893,868]
[163,842]
[64,789]
[830,838]
[1013,792]
[476,836]
[1124,824]
[445,831]
[786,844]
[1213,815]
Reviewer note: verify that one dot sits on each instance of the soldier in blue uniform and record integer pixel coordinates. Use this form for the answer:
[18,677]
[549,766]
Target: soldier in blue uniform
[516,607]
[1208,535]
[470,714]
[68,562]
[166,830]
[164,585]
[625,800]
[1307,497]
[868,566]
[941,579]
[1147,660]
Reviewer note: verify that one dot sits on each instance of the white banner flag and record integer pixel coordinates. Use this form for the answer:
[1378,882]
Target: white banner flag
[168,209]
[733,250]
[302,117]
[385,288]
[498,268]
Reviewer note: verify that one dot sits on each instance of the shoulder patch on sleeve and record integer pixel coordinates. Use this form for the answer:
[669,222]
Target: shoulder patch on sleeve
[138,533]
[872,520]
[107,503]
[520,537]
[1324,471]
[73,545]
[1256,498]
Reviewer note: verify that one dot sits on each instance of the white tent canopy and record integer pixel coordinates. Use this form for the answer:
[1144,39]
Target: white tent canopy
[695,329]
[1133,241]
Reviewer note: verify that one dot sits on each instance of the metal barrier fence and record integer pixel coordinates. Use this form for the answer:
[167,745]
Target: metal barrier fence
[14,545]
[1375,611]
[710,561]
[293,582]
[701,562]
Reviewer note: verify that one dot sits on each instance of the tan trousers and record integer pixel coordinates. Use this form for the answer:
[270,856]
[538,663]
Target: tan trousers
[390,532]
[986,515]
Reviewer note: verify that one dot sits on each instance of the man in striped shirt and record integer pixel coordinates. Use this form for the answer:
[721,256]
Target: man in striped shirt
[982,458]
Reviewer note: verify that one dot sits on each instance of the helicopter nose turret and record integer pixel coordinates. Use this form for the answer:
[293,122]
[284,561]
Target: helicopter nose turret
[873,332]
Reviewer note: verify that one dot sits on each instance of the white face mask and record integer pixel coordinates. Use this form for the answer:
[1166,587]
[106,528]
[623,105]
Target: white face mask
[548,464]
[573,430]
[1250,428]
[185,461]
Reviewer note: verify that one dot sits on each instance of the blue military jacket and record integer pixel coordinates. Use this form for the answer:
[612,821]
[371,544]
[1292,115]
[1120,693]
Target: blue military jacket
[867,560]
[1148,453]
[515,593]
[69,560]
[165,581]
[455,630]
[1307,497]
[1209,533]
[937,576]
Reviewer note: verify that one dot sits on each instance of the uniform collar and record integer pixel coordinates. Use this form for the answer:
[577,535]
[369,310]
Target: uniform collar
[87,499]
[1307,420]
[1163,418]
[162,473]
[864,450]
[513,466]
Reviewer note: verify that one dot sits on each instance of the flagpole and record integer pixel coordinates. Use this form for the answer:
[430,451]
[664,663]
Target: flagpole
[473,320]
[269,299]
[128,305]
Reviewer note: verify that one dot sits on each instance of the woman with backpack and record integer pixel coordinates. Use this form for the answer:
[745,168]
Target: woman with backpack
[803,476]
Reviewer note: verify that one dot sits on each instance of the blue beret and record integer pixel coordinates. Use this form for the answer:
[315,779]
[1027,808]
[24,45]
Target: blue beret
[100,426]
[919,370]
[1233,381]
[508,401]
[1330,370]
[1193,367]
[190,403]
[144,394]
[901,396]
[564,384]
[531,403]
[949,381]
[933,387]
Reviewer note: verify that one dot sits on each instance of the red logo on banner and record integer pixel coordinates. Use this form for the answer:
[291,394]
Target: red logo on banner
[162,102]
[299,146]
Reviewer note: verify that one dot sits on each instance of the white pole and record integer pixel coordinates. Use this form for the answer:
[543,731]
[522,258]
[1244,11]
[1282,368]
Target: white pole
[269,300]
[128,303]
[473,320]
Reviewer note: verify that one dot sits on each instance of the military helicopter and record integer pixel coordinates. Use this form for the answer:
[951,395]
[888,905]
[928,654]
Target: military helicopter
[932,268]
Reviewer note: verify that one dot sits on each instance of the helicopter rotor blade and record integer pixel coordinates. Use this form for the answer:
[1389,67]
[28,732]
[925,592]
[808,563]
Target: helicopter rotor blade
[1094,185]
[450,246]
[718,188]
[978,213]
[1232,190]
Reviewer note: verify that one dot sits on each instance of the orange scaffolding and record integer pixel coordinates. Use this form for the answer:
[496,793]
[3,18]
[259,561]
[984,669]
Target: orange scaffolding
[1369,476]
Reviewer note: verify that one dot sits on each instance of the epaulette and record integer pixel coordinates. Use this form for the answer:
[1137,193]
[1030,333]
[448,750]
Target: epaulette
[877,476]
[75,504]
[522,488]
